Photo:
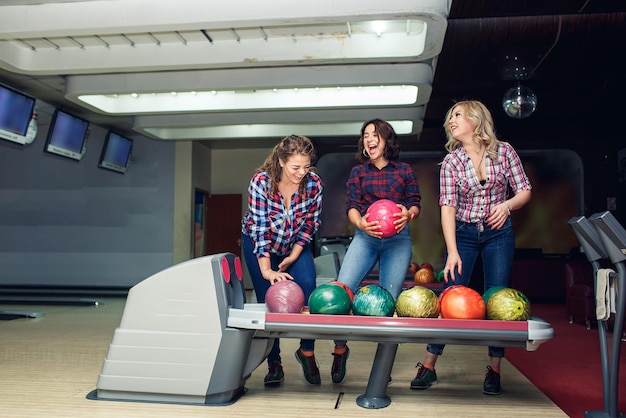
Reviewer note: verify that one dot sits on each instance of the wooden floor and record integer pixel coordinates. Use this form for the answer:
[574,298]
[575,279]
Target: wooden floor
[48,365]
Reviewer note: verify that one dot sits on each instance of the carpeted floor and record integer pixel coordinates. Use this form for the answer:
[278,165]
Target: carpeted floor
[567,369]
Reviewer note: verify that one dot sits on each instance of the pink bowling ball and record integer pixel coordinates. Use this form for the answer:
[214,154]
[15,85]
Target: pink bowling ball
[382,211]
[284,297]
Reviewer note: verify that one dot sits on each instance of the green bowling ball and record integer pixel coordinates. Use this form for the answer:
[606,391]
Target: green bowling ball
[490,292]
[373,300]
[329,299]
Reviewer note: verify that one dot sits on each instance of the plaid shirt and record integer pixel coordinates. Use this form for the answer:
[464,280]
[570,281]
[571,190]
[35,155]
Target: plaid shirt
[461,189]
[396,182]
[274,228]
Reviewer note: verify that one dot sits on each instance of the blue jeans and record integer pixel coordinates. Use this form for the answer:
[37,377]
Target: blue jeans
[303,273]
[393,255]
[496,247]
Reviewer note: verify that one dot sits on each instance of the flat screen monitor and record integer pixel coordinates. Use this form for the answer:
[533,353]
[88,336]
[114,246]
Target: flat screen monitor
[16,111]
[116,152]
[67,135]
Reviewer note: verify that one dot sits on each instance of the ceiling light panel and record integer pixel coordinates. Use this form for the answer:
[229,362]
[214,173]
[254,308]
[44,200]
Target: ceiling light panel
[114,91]
[293,98]
[273,130]
[318,122]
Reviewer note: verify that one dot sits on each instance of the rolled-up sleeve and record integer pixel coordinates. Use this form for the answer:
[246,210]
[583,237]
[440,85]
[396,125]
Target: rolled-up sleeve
[259,225]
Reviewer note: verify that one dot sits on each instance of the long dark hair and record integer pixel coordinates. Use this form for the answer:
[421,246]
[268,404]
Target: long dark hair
[287,147]
[384,129]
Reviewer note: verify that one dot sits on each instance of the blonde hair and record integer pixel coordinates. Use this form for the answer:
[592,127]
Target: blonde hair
[484,131]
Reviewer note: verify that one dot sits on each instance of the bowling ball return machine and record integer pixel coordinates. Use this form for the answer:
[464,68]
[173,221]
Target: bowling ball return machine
[188,336]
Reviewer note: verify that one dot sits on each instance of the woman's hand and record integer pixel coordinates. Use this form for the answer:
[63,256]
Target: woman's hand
[403,218]
[275,276]
[287,261]
[370,228]
[499,214]
[453,261]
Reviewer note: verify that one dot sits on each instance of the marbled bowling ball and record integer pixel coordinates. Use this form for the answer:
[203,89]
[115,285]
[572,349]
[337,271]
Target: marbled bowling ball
[462,302]
[345,286]
[285,296]
[489,292]
[382,211]
[373,300]
[418,302]
[508,305]
[329,299]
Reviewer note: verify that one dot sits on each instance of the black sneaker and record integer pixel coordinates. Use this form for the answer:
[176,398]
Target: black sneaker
[425,378]
[309,368]
[275,376]
[492,383]
[338,371]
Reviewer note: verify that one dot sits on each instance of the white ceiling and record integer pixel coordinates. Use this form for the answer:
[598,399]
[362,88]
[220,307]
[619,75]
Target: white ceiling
[60,50]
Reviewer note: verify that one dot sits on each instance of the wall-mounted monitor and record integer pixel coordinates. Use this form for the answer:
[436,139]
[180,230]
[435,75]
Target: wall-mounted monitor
[67,135]
[16,112]
[116,152]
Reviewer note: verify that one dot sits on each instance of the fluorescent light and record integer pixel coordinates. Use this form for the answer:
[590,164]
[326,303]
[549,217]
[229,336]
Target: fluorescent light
[402,127]
[283,98]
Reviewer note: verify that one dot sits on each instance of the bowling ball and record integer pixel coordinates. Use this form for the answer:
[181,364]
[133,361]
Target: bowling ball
[329,299]
[418,302]
[462,302]
[446,290]
[490,292]
[439,277]
[382,211]
[413,267]
[347,289]
[508,305]
[427,266]
[424,275]
[285,296]
[373,300]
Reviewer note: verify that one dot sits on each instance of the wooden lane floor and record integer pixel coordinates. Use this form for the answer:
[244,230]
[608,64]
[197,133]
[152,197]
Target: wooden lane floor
[48,365]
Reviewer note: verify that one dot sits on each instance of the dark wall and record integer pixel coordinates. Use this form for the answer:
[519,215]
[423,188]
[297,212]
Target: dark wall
[70,223]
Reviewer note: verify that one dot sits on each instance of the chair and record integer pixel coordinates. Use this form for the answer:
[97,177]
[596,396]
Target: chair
[580,295]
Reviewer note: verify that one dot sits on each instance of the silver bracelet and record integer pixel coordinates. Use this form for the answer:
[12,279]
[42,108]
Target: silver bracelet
[508,209]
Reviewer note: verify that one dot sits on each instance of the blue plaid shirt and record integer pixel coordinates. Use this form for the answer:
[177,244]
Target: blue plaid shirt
[274,228]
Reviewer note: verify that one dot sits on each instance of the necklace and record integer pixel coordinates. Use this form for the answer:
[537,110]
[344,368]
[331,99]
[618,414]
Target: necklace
[482,157]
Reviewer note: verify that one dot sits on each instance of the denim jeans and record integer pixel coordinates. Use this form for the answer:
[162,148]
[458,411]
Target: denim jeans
[496,247]
[393,255]
[303,273]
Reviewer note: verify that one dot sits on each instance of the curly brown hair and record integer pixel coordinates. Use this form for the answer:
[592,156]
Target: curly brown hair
[287,147]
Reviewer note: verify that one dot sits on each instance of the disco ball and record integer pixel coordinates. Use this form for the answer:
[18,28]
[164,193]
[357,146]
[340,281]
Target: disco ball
[519,102]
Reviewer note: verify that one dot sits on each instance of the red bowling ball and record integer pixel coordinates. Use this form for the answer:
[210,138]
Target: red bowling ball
[462,302]
[284,297]
[382,211]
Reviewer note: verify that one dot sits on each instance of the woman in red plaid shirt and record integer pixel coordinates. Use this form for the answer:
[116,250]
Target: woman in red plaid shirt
[379,175]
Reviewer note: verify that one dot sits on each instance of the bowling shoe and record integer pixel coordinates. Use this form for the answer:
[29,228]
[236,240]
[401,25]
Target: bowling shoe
[275,376]
[309,368]
[338,371]
[425,378]
[492,383]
